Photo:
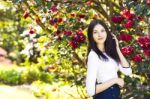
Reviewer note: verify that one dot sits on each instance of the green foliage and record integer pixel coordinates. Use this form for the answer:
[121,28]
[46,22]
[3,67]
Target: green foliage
[32,74]
[17,76]
[10,77]
[39,31]
[47,77]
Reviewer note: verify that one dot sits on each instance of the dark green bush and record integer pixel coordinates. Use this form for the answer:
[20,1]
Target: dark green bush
[12,77]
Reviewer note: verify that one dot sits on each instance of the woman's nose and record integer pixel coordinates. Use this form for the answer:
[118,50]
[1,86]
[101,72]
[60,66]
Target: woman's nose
[99,34]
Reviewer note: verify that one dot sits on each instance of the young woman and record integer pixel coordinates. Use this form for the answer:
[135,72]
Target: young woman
[103,62]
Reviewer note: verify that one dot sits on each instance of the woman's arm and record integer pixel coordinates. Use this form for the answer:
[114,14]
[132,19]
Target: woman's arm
[124,66]
[106,85]
[123,60]
[92,67]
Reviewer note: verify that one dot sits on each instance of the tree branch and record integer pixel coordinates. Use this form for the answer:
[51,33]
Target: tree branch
[78,58]
[39,23]
[68,1]
[100,9]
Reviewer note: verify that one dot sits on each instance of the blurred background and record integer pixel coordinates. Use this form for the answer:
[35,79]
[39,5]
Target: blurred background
[43,46]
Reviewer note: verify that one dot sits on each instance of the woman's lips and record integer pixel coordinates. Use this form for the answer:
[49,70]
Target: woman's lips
[100,38]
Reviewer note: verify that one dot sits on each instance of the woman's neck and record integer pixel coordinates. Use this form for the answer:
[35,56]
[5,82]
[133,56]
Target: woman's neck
[101,47]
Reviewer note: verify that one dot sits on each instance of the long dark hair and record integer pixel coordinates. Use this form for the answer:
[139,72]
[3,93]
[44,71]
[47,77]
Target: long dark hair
[110,44]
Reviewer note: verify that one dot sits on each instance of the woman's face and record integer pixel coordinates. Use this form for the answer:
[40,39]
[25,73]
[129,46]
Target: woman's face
[99,34]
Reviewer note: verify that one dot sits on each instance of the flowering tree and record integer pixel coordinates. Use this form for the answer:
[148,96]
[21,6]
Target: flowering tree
[57,34]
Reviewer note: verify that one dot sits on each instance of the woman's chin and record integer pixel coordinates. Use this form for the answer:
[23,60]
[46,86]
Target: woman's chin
[100,42]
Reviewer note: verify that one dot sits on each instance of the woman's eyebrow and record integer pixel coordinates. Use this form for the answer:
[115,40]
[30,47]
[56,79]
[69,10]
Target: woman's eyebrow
[95,30]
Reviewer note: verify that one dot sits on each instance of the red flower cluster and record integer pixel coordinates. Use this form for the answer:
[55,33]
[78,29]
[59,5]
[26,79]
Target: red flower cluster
[67,32]
[129,17]
[55,20]
[76,39]
[127,14]
[144,42]
[117,19]
[53,9]
[129,24]
[147,52]
[137,58]
[77,15]
[73,44]
[79,37]
[125,37]
[127,50]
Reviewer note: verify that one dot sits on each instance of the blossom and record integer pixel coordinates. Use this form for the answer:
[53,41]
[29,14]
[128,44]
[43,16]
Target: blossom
[53,9]
[137,58]
[117,19]
[147,52]
[129,24]
[144,42]
[125,37]
[73,44]
[127,50]
[127,14]
[67,32]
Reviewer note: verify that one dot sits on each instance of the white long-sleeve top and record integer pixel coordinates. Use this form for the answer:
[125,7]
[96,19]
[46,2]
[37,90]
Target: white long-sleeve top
[102,71]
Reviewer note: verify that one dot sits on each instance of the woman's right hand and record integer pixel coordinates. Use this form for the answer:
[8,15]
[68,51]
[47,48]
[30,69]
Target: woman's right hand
[119,81]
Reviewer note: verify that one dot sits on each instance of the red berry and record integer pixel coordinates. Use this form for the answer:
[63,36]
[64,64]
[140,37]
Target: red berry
[31,31]
[73,14]
[81,15]
[60,20]
[26,14]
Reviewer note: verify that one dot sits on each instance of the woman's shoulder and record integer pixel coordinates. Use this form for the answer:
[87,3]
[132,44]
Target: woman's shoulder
[92,53]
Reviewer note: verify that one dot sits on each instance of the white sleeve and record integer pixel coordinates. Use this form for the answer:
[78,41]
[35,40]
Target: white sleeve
[125,70]
[92,67]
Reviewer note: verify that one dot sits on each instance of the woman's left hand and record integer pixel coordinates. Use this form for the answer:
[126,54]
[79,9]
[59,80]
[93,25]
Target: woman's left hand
[117,42]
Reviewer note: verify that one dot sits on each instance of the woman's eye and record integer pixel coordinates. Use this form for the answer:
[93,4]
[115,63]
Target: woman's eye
[95,32]
[102,30]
